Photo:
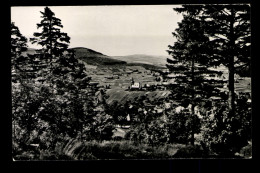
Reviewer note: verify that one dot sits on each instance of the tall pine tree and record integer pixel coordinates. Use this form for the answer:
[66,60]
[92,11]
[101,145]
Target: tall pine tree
[53,41]
[70,105]
[228,27]
[228,30]
[189,62]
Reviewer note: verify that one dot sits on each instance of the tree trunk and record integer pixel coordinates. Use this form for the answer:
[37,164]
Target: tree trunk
[231,88]
[192,102]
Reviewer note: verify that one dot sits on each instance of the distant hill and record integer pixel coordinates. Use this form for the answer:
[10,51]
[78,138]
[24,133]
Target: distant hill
[92,57]
[89,56]
[82,51]
[147,66]
[143,59]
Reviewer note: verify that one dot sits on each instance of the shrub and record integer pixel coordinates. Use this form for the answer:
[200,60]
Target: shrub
[246,151]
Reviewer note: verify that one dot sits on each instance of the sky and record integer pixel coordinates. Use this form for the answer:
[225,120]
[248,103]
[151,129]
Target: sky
[111,30]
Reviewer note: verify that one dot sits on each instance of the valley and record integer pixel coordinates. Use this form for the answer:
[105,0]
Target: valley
[115,75]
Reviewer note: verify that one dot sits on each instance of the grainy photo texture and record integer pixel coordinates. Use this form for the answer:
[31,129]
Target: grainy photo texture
[131,82]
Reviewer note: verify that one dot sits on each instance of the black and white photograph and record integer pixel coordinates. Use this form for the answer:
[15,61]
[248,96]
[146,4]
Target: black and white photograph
[131,82]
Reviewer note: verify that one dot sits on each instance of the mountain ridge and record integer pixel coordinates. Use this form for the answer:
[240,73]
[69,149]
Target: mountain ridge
[88,50]
[93,57]
[143,58]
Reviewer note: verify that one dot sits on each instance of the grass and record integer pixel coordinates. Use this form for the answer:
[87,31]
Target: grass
[120,150]
[243,85]
[110,150]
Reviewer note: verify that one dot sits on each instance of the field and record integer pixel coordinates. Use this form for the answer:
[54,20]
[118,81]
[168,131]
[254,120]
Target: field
[118,78]
[243,85]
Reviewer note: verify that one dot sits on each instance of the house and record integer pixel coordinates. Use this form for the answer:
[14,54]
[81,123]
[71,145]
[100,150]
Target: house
[93,83]
[118,73]
[156,74]
[148,72]
[171,75]
[116,76]
[166,70]
[136,86]
[159,110]
[167,105]
[165,83]
[129,71]
[179,109]
[109,77]
[148,87]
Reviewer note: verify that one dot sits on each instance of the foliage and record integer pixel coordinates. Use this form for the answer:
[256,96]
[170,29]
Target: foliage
[182,126]
[154,128]
[118,112]
[154,132]
[224,133]
[102,127]
[52,97]
[146,125]
[70,95]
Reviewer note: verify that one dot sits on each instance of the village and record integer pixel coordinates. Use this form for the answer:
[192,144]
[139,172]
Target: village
[126,83]
[134,79]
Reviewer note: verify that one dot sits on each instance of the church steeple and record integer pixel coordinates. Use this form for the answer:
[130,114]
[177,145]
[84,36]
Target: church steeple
[132,82]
